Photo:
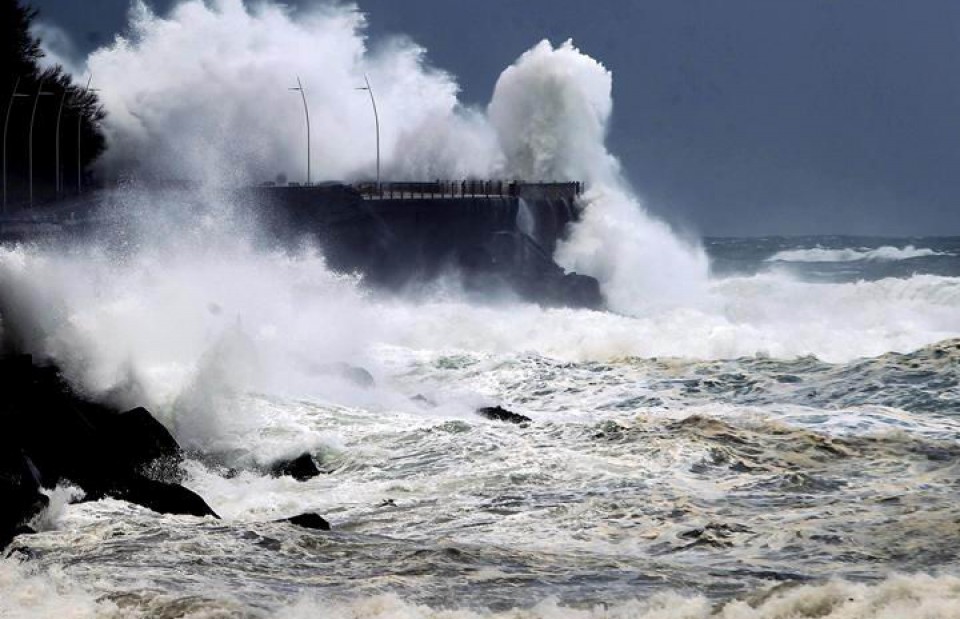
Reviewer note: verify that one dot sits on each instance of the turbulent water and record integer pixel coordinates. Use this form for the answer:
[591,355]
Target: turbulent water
[741,459]
[758,428]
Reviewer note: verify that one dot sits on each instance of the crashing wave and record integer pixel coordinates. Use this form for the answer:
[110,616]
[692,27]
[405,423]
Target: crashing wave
[885,253]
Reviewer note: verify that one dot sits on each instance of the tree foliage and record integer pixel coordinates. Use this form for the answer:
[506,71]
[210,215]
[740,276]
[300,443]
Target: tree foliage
[78,110]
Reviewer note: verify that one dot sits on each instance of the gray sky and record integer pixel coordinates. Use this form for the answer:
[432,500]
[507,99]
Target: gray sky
[732,117]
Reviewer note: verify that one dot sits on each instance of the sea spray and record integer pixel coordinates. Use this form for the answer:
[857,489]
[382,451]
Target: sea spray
[203,93]
[649,483]
[180,326]
[551,110]
[185,332]
[213,105]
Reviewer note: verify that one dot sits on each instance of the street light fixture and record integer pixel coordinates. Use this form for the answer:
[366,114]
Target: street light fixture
[56,163]
[306,112]
[6,123]
[79,98]
[33,116]
[376,119]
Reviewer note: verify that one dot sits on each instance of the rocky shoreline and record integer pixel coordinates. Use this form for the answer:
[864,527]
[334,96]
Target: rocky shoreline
[52,436]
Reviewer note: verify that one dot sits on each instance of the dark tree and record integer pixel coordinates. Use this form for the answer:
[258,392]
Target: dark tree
[81,115]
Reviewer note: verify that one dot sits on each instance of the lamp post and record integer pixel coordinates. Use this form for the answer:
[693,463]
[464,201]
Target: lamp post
[86,89]
[33,116]
[56,164]
[376,119]
[6,123]
[306,112]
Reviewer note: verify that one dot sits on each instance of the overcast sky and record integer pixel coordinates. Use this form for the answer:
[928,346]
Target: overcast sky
[732,117]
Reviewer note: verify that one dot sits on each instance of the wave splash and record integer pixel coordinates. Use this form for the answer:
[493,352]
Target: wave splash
[188,329]
[551,110]
[180,85]
[885,253]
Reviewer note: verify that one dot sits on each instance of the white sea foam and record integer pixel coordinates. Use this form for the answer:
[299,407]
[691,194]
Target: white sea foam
[187,331]
[898,597]
[236,347]
[885,253]
[27,593]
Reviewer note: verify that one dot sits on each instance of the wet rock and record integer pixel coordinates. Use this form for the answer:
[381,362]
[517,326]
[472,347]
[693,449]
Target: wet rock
[52,434]
[20,493]
[143,443]
[161,497]
[581,291]
[498,413]
[301,468]
[310,521]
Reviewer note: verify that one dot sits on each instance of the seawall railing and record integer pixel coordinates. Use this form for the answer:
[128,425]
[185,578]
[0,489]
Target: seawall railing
[464,189]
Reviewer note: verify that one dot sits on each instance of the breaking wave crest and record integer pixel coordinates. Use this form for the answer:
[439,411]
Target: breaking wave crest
[820,254]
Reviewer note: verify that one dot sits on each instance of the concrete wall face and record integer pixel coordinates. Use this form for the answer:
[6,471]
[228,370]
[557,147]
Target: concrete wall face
[494,236]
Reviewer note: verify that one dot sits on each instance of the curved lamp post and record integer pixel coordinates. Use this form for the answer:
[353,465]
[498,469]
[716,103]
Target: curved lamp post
[376,119]
[6,123]
[306,112]
[56,161]
[86,89]
[33,116]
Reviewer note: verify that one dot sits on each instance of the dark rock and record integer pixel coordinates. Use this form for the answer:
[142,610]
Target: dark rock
[310,521]
[24,529]
[578,290]
[301,468]
[19,491]
[159,496]
[52,434]
[141,443]
[498,413]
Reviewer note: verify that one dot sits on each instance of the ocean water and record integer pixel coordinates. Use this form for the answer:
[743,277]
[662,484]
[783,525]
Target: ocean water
[785,446]
[757,429]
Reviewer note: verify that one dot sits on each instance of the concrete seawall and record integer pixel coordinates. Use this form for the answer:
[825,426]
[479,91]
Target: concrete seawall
[500,239]
[491,236]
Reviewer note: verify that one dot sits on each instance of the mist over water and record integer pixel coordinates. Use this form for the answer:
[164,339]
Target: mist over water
[681,442]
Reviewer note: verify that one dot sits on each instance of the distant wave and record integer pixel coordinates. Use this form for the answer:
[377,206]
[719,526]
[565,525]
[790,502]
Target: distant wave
[820,254]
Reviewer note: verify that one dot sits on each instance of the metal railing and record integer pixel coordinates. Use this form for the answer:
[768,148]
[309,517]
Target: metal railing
[463,189]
